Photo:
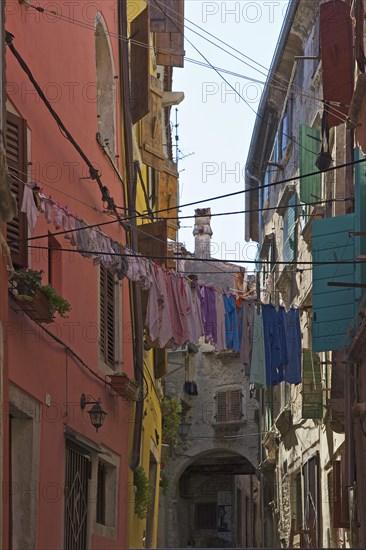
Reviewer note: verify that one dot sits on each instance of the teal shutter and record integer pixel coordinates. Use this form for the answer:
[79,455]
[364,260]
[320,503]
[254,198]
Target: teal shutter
[289,231]
[312,387]
[333,307]
[310,144]
[360,203]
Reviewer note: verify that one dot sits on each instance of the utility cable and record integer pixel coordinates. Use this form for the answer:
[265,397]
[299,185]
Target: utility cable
[205,260]
[93,172]
[82,24]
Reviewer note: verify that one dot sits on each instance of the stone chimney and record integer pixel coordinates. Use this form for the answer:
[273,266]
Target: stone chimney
[202,233]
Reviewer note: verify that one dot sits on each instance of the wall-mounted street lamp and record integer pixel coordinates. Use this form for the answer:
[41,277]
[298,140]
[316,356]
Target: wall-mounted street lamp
[97,415]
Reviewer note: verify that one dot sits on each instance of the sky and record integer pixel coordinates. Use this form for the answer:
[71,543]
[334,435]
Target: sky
[215,124]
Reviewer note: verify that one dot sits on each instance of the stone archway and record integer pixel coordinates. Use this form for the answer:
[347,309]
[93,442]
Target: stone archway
[206,499]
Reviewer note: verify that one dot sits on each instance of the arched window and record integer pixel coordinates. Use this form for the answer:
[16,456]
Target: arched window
[105,87]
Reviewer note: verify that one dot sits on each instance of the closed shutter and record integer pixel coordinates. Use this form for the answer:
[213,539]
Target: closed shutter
[229,406]
[310,144]
[289,231]
[312,388]
[333,307]
[16,158]
[107,317]
[140,66]
[167,16]
[358,35]
[152,129]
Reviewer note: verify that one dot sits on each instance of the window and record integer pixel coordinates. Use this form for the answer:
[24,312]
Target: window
[106,494]
[229,406]
[16,158]
[107,306]
[289,230]
[101,493]
[297,501]
[312,508]
[340,494]
[105,88]
[286,127]
[54,263]
[312,387]
[310,144]
[206,516]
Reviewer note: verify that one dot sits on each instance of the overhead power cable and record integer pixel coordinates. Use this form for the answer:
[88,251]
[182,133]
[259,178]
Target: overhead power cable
[93,172]
[274,76]
[205,260]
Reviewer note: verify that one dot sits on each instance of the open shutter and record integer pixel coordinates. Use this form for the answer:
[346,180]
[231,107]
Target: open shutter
[107,316]
[312,389]
[358,35]
[167,16]
[310,144]
[312,502]
[289,231]
[168,198]
[160,362]
[140,66]
[333,307]
[152,129]
[340,495]
[16,158]
[360,224]
[170,49]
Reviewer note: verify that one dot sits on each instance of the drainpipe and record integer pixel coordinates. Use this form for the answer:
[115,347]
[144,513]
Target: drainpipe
[136,318]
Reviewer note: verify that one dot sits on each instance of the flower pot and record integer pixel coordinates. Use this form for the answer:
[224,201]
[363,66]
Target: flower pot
[38,308]
[124,386]
[24,293]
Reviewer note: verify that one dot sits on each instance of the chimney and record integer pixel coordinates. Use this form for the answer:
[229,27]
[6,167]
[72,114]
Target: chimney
[202,233]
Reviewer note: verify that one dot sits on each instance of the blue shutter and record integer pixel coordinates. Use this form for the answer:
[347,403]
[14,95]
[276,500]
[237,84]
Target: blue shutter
[333,307]
[310,144]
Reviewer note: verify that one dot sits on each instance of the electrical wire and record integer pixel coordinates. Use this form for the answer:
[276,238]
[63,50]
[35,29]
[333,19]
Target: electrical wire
[205,260]
[298,91]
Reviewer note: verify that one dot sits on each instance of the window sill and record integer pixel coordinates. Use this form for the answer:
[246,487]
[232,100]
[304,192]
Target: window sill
[104,531]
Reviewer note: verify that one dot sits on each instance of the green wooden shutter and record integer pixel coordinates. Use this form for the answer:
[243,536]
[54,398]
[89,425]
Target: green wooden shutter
[333,307]
[310,144]
[289,231]
[312,389]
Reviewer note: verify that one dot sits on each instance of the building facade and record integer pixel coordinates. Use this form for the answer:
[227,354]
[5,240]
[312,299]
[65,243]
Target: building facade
[305,176]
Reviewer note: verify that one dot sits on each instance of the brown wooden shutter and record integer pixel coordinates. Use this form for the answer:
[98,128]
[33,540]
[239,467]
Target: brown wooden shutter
[140,66]
[16,158]
[221,406]
[340,496]
[152,128]
[234,405]
[160,363]
[152,240]
[168,198]
[167,16]
[358,35]
[107,316]
[170,49]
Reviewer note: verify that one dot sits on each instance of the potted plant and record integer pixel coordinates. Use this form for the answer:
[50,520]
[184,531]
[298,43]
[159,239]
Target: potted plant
[143,496]
[171,420]
[40,302]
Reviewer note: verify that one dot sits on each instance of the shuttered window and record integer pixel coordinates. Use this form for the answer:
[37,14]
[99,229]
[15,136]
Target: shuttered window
[310,143]
[107,317]
[289,230]
[16,158]
[312,502]
[140,71]
[333,307]
[229,406]
[167,16]
[312,387]
[340,495]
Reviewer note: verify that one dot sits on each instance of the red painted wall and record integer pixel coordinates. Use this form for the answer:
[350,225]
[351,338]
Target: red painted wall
[61,56]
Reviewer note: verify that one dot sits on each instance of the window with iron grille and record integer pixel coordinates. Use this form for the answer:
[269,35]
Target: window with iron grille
[16,158]
[107,317]
[206,515]
[229,406]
